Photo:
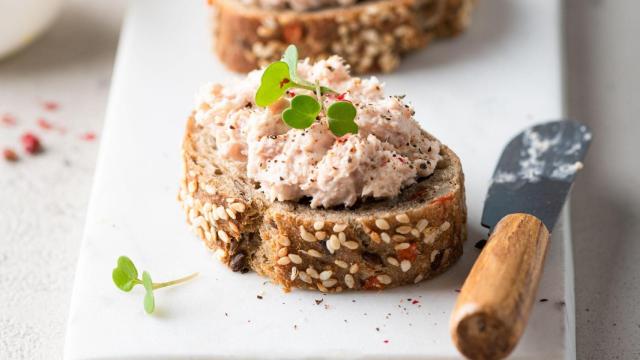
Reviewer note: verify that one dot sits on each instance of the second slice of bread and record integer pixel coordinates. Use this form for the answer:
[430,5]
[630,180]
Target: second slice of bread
[371,35]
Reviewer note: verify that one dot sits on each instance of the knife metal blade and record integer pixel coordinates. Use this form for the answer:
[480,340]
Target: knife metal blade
[535,172]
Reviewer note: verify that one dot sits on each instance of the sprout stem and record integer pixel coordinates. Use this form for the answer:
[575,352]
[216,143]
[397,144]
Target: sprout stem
[174,282]
[323,89]
[303,86]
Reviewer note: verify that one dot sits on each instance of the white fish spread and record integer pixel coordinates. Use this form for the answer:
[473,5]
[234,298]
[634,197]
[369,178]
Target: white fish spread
[388,154]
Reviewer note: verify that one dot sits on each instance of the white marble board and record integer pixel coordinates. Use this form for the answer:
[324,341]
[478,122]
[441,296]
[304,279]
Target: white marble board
[474,93]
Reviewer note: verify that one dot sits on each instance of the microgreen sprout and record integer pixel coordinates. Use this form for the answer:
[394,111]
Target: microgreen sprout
[282,75]
[125,276]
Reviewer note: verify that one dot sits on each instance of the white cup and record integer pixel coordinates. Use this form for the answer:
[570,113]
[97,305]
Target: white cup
[22,21]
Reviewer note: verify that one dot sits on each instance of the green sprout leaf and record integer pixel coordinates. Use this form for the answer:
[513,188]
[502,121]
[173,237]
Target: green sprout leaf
[291,58]
[125,276]
[275,81]
[149,301]
[302,113]
[341,118]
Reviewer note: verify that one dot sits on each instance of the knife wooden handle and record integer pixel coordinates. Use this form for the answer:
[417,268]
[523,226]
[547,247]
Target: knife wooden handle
[496,299]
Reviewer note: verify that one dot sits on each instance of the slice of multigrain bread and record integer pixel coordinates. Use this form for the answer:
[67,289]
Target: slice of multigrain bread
[373,245]
[371,35]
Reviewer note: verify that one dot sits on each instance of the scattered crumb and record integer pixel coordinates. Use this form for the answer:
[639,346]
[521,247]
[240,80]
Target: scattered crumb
[44,124]
[544,300]
[318,302]
[259,297]
[480,244]
[7,119]
[386,341]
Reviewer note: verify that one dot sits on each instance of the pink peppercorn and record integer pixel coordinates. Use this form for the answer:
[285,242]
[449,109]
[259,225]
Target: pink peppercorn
[31,143]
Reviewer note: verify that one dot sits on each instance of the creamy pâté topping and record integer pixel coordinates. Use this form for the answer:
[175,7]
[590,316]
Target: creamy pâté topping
[388,154]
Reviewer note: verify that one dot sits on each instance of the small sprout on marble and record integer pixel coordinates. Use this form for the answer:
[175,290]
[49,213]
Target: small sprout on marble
[125,276]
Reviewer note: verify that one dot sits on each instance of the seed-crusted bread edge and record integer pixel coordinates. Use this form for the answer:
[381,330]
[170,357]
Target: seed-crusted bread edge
[376,245]
[371,35]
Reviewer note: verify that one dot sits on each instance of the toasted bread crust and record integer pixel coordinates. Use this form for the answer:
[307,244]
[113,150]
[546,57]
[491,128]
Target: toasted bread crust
[375,245]
[371,35]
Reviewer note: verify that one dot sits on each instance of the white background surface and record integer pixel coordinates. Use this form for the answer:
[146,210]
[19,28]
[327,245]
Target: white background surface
[43,201]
